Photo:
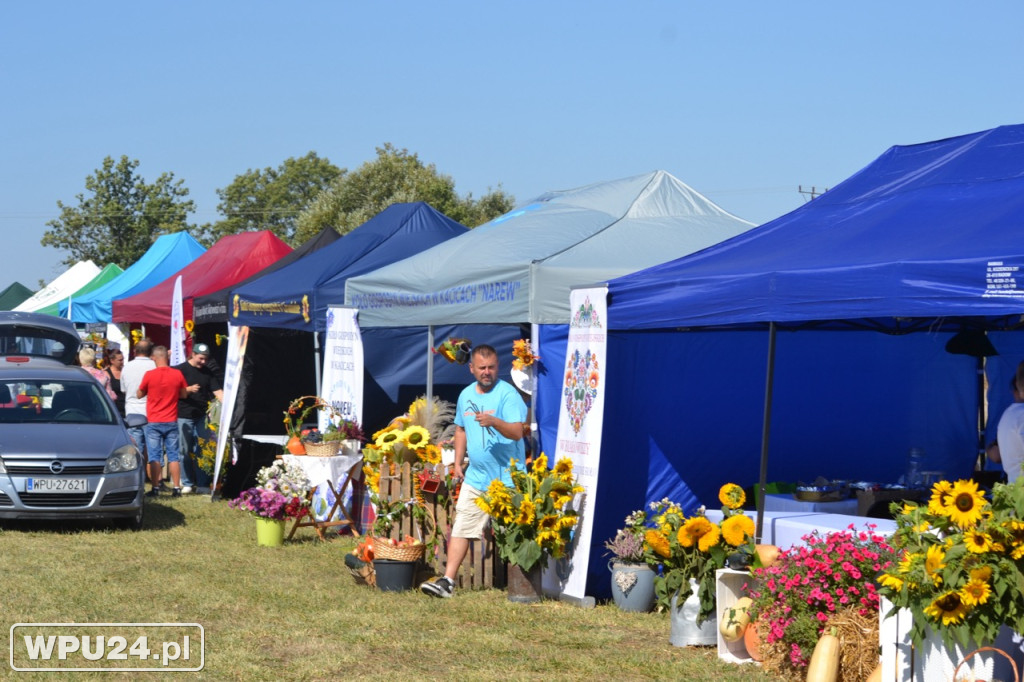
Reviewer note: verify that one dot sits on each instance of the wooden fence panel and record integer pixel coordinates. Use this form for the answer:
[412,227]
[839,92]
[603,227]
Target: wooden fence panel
[482,566]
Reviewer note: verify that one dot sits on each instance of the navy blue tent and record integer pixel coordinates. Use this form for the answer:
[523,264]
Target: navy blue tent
[297,296]
[919,245]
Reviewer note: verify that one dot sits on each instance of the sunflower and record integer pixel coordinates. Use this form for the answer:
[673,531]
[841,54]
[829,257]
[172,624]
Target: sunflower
[658,542]
[371,477]
[977,541]
[430,454]
[737,528]
[732,496]
[941,492]
[693,530]
[975,593]
[948,608]
[709,539]
[415,437]
[934,561]
[907,562]
[965,504]
[563,469]
[981,574]
[526,514]
[890,581]
[387,439]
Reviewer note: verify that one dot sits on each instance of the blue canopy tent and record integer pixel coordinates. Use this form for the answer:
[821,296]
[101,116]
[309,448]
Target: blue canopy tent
[921,244]
[168,254]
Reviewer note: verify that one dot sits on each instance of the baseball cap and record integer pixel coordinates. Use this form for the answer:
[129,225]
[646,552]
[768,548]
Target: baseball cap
[201,349]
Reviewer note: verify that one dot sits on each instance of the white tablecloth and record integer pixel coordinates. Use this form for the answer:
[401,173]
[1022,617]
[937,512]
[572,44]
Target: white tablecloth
[787,529]
[789,503]
[323,469]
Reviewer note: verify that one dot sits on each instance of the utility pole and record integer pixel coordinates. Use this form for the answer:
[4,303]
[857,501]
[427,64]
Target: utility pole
[813,191]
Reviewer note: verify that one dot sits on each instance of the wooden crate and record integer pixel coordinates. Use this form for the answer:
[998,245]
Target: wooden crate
[482,566]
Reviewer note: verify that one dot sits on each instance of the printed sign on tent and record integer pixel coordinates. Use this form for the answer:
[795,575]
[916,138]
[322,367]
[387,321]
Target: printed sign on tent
[581,417]
[342,383]
[177,326]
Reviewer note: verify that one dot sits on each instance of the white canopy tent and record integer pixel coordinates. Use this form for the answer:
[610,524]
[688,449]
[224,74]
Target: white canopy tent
[66,284]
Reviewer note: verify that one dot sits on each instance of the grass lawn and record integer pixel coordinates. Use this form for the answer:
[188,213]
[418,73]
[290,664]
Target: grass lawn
[295,613]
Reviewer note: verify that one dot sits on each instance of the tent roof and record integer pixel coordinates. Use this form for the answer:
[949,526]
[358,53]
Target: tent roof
[231,259]
[214,307]
[14,294]
[520,266]
[925,231]
[71,280]
[107,274]
[297,296]
[168,254]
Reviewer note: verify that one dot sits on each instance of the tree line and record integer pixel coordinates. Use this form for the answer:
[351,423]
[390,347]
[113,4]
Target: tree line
[119,214]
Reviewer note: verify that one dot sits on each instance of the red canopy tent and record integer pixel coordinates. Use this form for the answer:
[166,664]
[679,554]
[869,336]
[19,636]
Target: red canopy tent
[230,260]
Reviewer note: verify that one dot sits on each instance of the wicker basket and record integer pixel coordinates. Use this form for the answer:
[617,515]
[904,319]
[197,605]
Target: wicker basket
[383,550]
[328,449]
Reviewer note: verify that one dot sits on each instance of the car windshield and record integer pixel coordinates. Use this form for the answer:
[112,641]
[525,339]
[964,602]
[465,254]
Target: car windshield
[49,402]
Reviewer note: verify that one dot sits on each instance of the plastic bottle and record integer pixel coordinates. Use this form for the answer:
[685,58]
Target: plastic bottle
[915,467]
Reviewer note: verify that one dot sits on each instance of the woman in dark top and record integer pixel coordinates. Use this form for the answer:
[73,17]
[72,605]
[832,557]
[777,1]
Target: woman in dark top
[114,370]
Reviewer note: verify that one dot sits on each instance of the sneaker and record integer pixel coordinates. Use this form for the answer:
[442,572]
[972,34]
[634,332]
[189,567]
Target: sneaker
[153,492]
[186,490]
[443,587]
[176,493]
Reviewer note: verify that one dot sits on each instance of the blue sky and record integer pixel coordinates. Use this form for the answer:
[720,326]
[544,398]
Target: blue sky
[742,101]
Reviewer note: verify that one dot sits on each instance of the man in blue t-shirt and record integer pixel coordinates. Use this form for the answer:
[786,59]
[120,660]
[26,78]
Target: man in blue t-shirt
[489,427]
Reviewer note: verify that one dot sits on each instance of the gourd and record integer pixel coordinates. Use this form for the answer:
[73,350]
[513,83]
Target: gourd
[824,665]
[735,619]
[768,554]
[876,674]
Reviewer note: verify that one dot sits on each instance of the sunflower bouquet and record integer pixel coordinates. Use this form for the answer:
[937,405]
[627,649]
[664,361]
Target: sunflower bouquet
[682,548]
[533,519]
[522,351]
[961,567]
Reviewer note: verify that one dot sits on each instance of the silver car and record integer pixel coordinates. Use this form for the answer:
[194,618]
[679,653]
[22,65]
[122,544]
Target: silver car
[65,453]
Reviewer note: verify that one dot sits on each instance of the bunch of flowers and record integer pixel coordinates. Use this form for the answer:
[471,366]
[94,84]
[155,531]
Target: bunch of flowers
[410,438]
[299,410]
[533,519]
[282,493]
[454,350]
[523,353]
[684,548]
[207,458]
[961,569]
[795,597]
[628,544]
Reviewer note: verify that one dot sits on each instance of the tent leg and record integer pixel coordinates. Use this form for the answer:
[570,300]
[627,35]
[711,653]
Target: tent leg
[430,364]
[765,432]
[316,361]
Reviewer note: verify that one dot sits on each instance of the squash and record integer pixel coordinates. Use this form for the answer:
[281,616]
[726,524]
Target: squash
[824,666]
[768,554]
[752,642]
[734,620]
[876,674]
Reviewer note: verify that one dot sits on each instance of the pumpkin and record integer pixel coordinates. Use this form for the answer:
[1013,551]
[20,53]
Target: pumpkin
[876,674]
[734,620]
[824,666]
[768,554]
[752,641]
[364,550]
[295,446]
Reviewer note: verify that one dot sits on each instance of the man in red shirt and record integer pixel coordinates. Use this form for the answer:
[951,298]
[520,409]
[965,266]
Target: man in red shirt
[163,386]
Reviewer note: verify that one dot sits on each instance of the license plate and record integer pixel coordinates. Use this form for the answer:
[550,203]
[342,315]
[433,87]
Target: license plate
[57,485]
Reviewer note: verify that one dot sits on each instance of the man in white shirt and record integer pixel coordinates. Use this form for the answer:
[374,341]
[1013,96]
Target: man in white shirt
[131,377]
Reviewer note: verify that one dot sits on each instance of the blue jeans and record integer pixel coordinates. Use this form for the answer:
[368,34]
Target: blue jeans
[138,436]
[160,437]
[189,433]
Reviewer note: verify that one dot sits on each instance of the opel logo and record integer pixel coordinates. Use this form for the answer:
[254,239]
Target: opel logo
[56,466]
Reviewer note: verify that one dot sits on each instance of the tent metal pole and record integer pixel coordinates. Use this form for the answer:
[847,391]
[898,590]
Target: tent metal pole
[316,360]
[765,432]
[430,363]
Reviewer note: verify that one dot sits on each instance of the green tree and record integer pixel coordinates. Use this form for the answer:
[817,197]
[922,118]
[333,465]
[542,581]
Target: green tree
[272,198]
[394,176]
[121,217]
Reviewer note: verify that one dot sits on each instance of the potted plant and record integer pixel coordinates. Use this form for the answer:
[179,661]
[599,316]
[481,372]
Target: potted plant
[282,493]
[533,519]
[961,571]
[632,578]
[687,551]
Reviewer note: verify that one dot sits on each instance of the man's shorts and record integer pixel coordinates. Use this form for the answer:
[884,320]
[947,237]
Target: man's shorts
[161,437]
[470,520]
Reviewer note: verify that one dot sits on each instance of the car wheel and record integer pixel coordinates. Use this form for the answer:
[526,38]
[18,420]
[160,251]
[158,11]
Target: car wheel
[134,523]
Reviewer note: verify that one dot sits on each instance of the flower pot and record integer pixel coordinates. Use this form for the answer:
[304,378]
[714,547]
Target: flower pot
[684,629]
[632,586]
[394,576]
[295,446]
[524,586]
[351,447]
[269,532]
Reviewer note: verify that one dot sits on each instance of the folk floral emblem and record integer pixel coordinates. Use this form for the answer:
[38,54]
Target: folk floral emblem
[586,316]
[582,377]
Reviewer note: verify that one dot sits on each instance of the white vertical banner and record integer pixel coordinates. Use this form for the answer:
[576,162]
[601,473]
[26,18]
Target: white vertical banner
[342,384]
[238,337]
[69,307]
[177,326]
[581,418]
